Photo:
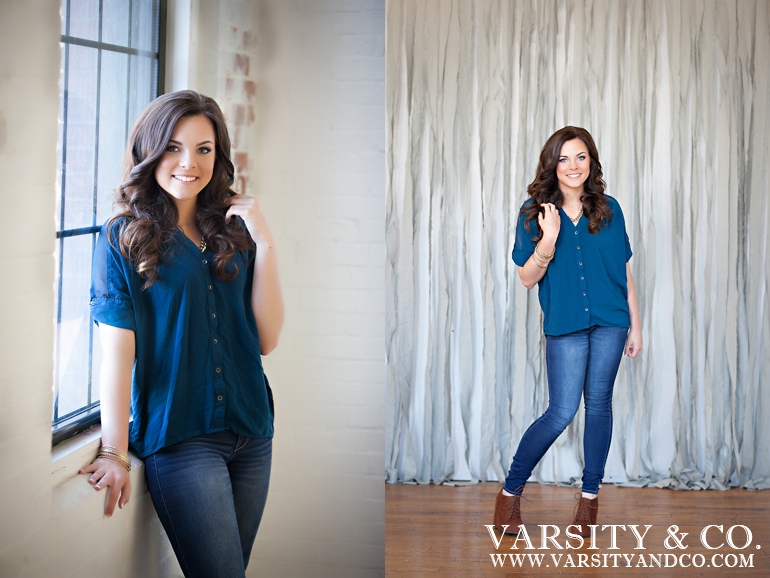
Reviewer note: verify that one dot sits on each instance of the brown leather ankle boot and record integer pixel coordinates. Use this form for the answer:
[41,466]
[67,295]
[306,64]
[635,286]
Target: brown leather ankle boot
[586,512]
[508,513]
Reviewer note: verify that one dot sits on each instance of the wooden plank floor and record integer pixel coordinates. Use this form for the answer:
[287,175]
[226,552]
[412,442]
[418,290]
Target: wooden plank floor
[440,531]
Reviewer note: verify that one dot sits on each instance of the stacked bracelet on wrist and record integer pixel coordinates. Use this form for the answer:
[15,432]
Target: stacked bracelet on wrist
[541,258]
[116,455]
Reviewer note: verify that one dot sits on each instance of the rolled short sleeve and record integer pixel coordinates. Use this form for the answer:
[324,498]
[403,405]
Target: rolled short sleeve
[618,213]
[110,288]
[629,252]
[523,246]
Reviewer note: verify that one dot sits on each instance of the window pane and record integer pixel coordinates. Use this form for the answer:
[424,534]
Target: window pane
[143,86]
[143,26]
[101,94]
[84,19]
[64,16]
[60,135]
[112,129]
[74,325]
[81,135]
[115,22]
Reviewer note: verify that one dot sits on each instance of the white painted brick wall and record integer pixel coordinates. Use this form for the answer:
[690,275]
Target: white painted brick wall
[28,106]
[320,172]
[315,155]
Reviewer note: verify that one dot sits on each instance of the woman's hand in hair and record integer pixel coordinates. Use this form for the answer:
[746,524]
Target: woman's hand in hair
[106,473]
[550,223]
[249,209]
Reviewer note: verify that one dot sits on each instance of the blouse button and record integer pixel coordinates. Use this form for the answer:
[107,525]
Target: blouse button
[219,398]
[213,315]
[219,369]
[209,287]
[586,308]
[583,296]
[204,261]
[215,341]
[582,278]
[581,263]
[578,247]
[576,232]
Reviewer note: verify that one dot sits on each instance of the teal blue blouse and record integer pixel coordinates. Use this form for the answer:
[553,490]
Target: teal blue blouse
[198,366]
[585,283]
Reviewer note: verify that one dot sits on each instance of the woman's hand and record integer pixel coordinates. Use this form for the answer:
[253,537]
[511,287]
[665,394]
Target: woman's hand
[249,209]
[550,223]
[634,339]
[110,474]
[633,343]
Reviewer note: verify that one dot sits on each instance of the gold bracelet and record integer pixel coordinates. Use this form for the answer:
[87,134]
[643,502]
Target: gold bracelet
[541,256]
[114,458]
[116,455]
[541,266]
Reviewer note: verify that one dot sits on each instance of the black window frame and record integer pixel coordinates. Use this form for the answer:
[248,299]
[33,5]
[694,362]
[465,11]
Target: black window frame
[85,417]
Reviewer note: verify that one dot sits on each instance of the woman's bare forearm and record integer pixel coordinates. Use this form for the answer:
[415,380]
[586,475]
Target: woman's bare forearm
[118,347]
[267,297]
[534,269]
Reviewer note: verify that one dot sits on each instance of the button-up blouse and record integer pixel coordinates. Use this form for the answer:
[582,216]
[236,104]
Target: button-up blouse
[198,366]
[585,283]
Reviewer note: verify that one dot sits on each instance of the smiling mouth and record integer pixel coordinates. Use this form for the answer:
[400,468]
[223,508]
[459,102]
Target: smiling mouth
[185,179]
[574,176]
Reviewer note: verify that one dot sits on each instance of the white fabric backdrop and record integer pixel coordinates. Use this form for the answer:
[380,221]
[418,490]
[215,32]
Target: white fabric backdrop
[676,96]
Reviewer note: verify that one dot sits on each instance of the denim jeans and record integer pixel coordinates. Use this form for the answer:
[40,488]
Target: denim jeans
[583,363]
[209,492]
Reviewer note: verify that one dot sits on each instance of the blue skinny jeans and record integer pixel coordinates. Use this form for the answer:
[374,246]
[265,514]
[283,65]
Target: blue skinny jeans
[209,492]
[584,363]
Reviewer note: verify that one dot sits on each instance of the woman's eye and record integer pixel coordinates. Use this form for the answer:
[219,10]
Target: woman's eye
[562,160]
[204,150]
[581,158]
[171,149]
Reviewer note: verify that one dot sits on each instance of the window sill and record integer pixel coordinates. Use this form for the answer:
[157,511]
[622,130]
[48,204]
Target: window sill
[71,488]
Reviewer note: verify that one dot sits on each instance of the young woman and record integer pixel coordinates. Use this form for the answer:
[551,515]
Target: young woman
[186,293]
[571,241]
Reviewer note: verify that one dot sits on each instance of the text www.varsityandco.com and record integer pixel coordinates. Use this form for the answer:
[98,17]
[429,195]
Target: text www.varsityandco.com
[713,537]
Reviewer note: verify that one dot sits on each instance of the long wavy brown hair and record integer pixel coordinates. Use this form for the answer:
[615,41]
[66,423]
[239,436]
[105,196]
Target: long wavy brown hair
[147,216]
[545,187]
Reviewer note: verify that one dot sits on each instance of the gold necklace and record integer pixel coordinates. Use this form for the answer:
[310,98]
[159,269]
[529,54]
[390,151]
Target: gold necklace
[577,217]
[203,241]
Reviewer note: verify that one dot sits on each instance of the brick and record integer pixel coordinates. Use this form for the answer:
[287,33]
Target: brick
[353,45]
[360,323]
[371,163]
[365,92]
[331,6]
[343,300]
[358,69]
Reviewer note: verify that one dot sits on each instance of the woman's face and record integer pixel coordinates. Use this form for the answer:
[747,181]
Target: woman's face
[188,163]
[573,166]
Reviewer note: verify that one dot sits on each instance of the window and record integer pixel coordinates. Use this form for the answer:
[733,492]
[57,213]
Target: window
[110,70]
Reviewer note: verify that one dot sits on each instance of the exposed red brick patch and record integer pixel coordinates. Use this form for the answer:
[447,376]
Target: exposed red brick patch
[247,41]
[251,115]
[249,89]
[241,64]
[239,115]
[241,182]
[241,162]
